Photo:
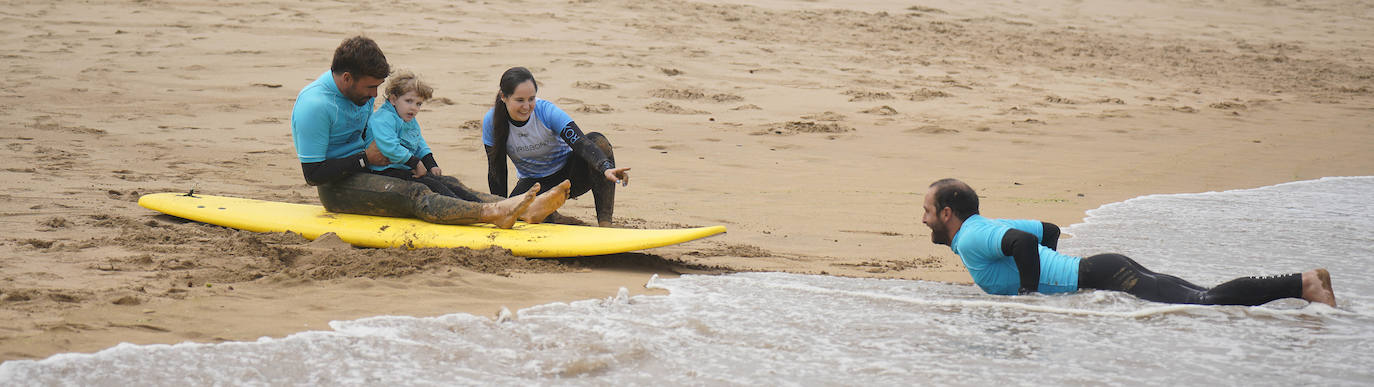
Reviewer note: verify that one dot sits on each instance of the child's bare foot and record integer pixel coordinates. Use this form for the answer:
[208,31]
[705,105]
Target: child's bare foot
[1316,287]
[546,203]
[504,213]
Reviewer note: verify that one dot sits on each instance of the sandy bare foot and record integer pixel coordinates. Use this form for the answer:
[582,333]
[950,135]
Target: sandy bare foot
[504,213]
[546,203]
[1316,287]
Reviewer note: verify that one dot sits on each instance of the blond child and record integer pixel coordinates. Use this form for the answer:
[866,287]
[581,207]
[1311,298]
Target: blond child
[395,131]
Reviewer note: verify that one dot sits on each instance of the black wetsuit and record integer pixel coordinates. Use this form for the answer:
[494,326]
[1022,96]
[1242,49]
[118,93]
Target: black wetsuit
[1117,272]
[1120,273]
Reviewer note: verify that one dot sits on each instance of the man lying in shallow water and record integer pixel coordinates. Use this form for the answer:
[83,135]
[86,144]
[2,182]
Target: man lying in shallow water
[1018,256]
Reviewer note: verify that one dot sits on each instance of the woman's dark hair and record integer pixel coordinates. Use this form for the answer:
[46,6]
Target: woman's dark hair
[956,195]
[360,56]
[500,116]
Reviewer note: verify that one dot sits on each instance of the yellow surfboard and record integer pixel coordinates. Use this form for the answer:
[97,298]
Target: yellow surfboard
[526,240]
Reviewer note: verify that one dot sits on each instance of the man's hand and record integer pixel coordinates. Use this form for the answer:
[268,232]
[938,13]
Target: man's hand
[619,175]
[436,171]
[420,170]
[375,156]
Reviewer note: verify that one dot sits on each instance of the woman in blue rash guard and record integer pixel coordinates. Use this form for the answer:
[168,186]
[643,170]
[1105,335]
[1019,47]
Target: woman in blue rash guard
[547,148]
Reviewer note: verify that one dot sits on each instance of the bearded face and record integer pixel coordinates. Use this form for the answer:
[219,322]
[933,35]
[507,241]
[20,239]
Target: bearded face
[939,232]
[359,89]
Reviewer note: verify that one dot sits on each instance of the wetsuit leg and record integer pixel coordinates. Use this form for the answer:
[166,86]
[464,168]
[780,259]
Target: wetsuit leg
[1120,273]
[1255,290]
[373,194]
[428,180]
[462,191]
[438,186]
[545,183]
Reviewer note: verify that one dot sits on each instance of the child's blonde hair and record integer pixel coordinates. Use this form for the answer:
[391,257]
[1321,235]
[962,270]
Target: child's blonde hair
[405,81]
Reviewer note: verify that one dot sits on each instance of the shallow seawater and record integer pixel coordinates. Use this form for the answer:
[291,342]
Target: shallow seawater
[774,328]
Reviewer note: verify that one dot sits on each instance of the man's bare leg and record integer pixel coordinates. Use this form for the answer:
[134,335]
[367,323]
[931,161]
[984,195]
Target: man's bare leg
[546,203]
[504,213]
[1316,287]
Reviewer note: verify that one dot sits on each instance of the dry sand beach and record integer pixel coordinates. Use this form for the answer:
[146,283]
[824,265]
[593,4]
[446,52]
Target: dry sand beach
[809,128]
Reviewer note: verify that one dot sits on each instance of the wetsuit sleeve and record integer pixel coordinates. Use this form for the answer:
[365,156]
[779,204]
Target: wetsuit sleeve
[496,171]
[587,150]
[1051,236]
[429,161]
[327,171]
[1022,248]
[496,158]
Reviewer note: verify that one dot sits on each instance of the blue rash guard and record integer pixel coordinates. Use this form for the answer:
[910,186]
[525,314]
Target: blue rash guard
[979,245]
[398,140]
[325,125]
[535,148]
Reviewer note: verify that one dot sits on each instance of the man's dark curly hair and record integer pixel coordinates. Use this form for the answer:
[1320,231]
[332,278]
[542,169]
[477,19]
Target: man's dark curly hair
[360,56]
[956,195]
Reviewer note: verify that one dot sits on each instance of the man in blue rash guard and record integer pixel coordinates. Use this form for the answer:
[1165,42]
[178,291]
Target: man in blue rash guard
[329,129]
[1012,257]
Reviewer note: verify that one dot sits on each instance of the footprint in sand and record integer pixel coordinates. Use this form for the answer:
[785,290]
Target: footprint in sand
[1228,105]
[592,85]
[733,250]
[595,108]
[867,96]
[931,129]
[881,110]
[471,125]
[920,9]
[666,107]
[795,127]
[1016,110]
[1060,100]
[927,94]
[688,94]
[50,123]
[826,116]
[694,94]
